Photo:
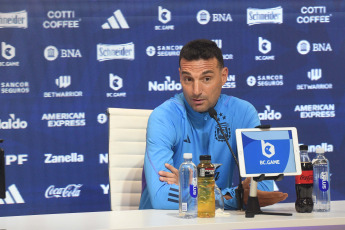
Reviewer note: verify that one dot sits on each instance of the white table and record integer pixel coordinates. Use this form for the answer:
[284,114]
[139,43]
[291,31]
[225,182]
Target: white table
[168,219]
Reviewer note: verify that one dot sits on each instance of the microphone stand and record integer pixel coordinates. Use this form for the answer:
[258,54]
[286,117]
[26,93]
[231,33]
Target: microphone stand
[239,191]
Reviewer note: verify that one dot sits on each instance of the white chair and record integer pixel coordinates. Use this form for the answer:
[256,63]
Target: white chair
[127,141]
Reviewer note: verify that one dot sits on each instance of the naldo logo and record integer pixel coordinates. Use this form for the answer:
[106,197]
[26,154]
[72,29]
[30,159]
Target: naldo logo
[13,123]
[167,85]
[269,114]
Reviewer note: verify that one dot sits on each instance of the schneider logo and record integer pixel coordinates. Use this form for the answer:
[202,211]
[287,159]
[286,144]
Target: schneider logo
[107,52]
[265,16]
[71,190]
[13,123]
[167,85]
[269,114]
[116,21]
[71,158]
[14,20]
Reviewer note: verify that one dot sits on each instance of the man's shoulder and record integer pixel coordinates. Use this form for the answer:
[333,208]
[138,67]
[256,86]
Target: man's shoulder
[173,107]
[235,102]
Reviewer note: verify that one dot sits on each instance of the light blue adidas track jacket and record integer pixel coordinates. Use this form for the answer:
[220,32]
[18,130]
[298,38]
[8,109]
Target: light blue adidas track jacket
[175,128]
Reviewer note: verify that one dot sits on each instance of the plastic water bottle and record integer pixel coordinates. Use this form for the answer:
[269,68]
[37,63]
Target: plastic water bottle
[188,193]
[321,189]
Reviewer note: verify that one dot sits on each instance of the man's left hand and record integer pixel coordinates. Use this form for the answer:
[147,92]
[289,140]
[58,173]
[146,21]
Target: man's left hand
[169,177]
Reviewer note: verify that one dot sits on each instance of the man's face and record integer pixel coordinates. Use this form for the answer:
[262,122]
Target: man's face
[202,82]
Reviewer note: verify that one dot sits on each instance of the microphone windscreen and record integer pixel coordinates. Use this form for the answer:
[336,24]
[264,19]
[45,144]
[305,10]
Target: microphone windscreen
[212,112]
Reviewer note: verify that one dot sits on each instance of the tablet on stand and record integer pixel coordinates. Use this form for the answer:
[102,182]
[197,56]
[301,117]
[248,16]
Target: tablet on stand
[267,154]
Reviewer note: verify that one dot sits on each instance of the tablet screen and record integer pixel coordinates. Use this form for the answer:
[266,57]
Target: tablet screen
[271,152]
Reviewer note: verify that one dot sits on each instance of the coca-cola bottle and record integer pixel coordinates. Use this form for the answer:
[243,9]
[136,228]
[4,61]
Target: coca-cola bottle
[304,183]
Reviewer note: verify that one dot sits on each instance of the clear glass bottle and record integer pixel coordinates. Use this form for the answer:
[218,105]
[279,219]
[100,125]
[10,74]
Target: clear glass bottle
[188,191]
[321,189]
[206,186]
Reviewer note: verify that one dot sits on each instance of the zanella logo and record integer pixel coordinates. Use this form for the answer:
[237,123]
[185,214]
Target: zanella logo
[269,114]
[71,190]
[14,20]
[264,16]
[117,21]
[107,52]
[12,196]
[13,123]
[72,158]
[167,85]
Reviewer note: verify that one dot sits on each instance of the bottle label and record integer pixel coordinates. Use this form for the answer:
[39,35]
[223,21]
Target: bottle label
[323,182]
[193,188]
[184,207]
[305,178]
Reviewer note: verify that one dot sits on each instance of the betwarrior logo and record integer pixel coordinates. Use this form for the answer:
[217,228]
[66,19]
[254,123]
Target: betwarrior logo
[13,123]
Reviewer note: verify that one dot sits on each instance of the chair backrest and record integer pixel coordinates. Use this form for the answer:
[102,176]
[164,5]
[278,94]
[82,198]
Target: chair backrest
[127,141]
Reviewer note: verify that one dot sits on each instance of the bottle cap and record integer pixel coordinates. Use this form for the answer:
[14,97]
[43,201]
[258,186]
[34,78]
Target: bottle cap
[205,157]
[303,147]
[187,156]
[319,150]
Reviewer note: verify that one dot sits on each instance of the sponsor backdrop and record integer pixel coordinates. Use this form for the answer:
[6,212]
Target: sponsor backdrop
[63,63]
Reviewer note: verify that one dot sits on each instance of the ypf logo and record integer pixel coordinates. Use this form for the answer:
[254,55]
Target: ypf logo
[115,82]
[268,149]
[264,45]
[7,51]
[164,15]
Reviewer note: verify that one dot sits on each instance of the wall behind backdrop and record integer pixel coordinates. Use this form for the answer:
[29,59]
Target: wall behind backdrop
[63,63]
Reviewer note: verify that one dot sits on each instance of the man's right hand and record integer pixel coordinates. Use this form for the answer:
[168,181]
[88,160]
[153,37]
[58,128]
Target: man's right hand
[265,198]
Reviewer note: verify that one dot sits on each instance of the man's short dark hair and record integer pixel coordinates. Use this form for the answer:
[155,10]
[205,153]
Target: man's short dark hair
[201,49]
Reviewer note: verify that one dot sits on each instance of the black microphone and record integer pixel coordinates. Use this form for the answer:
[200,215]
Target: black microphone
[239,191]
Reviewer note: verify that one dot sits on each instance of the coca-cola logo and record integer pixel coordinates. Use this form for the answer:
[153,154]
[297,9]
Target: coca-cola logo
[306,177]
[71,190]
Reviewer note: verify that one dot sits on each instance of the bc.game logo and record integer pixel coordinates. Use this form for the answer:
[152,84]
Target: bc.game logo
[224,126]
[268,149]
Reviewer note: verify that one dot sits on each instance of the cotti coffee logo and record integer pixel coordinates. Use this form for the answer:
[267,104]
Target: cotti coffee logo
[265,16]
[17,19]
[61,19]
[314,14]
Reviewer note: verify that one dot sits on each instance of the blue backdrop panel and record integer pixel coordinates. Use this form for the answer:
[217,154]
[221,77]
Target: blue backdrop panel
[63,63]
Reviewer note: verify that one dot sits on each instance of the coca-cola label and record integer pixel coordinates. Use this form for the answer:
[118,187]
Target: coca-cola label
[71,190]
[305,178]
